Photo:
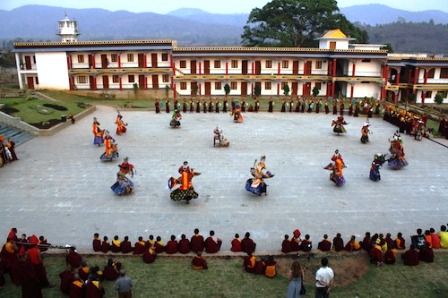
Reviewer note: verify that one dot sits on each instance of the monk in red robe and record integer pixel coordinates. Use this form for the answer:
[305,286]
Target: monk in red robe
[247,244]
[159,246]
[73,258]
[338,243]
[77,288]
[286,245]
[116,244]
[105,245]
[197,242]
[171,246]
[306,245]
[94,289]
[112,270]
[184,245]
[96,242]
[149,256]
[325,244]
[400,242]
[236,244]
[67,277]
[139,246]
[212,244]
[250,262]
[83,271]
[410,257]
[198,262]
[126,245]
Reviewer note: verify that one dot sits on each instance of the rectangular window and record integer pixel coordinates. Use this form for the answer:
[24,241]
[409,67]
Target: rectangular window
[268,64]
[318,85]
[319,64]
[165,78]
[218,86]
[115,79]
[233,85]
[285,64]
[444,73]
[131,79]
[183,64]
[267,86]
[217,64]
[365,60]
[130,57]
[81,80]
[37,80]
[431,73]
[234,64]
[164,57]
[114,57]
[80,58]
[183,85]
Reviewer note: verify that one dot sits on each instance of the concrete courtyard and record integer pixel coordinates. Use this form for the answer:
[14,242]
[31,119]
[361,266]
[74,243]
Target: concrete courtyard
[60,189]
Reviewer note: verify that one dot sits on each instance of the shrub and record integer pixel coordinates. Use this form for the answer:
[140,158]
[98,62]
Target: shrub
[56,107]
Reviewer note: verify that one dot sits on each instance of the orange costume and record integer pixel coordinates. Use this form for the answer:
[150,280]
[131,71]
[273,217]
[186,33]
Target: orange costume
[121,125]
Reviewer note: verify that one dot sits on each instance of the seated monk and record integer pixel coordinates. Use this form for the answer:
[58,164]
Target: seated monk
[83,271]
[96,243]
[198,262]
[111,270]
[389,240]
[116,244]
[77,287]
[250,262]
[410,257]
[67,277]
[376,254]
[435,238]
[295,241]
[73,258]
[197,242]
[105,246]
[43,244]
[139,246]
[159,246]
[400,242]
[426,254]
[325,244]
[212,244]
[171,246]
[390,255]
[306,245]
[150,242]
[270,267]
[149,256]
[236,244]
[126,246]
[286,245]
[366,244]
[352,245]
[184,245]
[248,244]
[338,243]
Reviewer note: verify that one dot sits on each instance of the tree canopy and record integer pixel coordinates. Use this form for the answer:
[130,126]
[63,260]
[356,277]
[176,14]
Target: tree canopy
[295,23]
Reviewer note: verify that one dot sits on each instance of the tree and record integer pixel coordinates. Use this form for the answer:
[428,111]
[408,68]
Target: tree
[293,23]
[167,90]
[227,89]
[257,90]
[315,91]
[438,99]
[286,89]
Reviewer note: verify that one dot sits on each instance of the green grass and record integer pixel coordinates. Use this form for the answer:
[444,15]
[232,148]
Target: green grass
[173,277]
[32,110]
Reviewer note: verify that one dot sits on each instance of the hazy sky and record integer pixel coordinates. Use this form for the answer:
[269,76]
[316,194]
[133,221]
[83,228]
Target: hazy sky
[213,6]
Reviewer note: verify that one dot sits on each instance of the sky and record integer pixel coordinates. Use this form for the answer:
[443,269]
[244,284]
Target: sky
[212,6]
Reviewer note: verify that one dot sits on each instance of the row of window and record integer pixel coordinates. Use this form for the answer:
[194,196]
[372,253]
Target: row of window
[234,85]
[116,79]
[114,57]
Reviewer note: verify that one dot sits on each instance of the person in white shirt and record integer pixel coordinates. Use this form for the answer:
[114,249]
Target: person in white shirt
[324,279]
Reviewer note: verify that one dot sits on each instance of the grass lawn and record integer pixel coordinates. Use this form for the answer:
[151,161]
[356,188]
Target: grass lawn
[173,277]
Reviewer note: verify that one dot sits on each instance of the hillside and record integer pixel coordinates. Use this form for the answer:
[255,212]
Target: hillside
[195,27]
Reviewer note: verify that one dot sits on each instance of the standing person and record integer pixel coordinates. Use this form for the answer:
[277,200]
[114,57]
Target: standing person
[36,259]
[224,106]
[11,146]
[97,133]
[157,106]
[167,106]
[121,125]
[184,106]
[191,105]
[124,285]
[324,279]
[271,105]
[257,105]
[295,277]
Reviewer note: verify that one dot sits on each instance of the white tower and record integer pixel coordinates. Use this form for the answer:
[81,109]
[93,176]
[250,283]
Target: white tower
[68,30]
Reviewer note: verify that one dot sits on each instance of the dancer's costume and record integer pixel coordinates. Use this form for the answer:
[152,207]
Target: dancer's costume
[185,190]
[124,185]
[377,163]
[365,130]
[339,125]
[397,161]
[257,185]
[236,113]
[219,139]
[336,175]
[121,125]
[97,133]
[175,119]
[111,148]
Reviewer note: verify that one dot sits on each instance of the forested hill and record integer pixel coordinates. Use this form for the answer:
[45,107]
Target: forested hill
[411,37]
[195,27]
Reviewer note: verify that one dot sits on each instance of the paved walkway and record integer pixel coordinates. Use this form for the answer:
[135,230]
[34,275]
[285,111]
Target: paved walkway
[60,189]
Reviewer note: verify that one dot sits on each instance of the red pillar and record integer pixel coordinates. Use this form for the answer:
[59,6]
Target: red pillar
[71,83]
[199,89]
[278,89]
[426,76]
[227,68]
[334,68]
[145,61]
[121,82]
[416,75]
[351,91]
[174,91]
[94,83]
[423,97]
[353,69]
[200,68]
[69,63]
[253,67]
[397,79]
[278,68]
[119,62]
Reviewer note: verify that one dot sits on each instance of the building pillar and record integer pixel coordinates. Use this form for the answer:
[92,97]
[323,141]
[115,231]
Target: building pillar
[174,90]
[278,68]
[351,90]
[119,61]
[397,78]
[416,75]
[353,69]
[227,68]
[17,55]
[278,88]
[200,68]
[121,83]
